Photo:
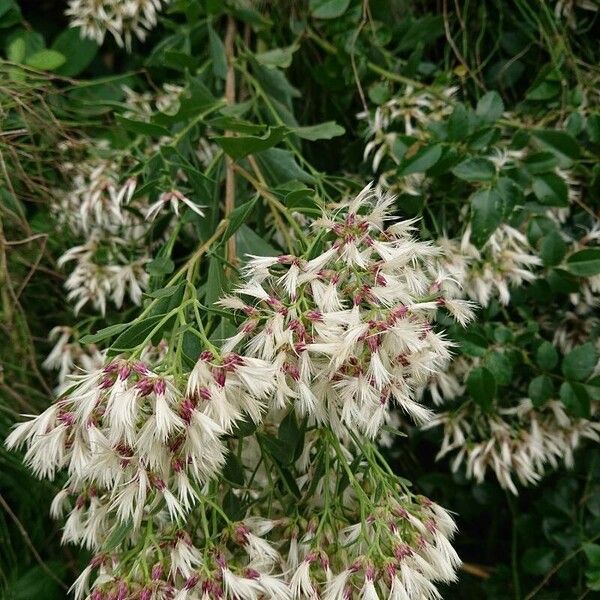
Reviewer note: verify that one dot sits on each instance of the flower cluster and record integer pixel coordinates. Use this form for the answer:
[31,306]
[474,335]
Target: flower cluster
[109,262]
[349,330]
[122,19]
[131,437]
[328,342]
[406,114]
[505,260]
[523,441]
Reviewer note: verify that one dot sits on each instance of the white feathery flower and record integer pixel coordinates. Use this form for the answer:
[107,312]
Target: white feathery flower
[174,198]
[122,19]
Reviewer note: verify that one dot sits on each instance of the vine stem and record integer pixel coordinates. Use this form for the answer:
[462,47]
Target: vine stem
[230,99]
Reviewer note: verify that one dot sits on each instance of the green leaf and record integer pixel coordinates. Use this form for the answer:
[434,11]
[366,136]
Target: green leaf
[458,123]
[580,362]
[240,146]
[475,169]
[243,429]
[328,9]
[540,162]
[490,107]
[233,506]
[482,386]
[104,334]
[279,167]
[553,249]
[135,334]
[161,265]
[486,208]
[551,190]
[291,436]
[540,389]
[249,242]
[37,583]
[585,263]
[46,60]
[16,49]
[422,160]
[278,57]
[471,342]
[575,399]
[562,281]
[239,216]
[215,282]
[217,53]
[142,127]
[538,561]
[546,356]
[323,131]
[79,51]
[500,366]
[592,553]
[233,471]
[559,143]
[117,536]
[163,292]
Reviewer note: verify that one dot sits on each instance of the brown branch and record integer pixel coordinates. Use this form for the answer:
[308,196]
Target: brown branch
[231,254]
[476,570]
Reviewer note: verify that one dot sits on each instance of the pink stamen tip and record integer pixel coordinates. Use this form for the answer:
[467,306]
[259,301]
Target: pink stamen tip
[157,572]
[160,386]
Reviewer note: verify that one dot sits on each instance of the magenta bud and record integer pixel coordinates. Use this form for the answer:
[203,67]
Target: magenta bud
[160,386]
[157,572]
[191,582]
[145,594]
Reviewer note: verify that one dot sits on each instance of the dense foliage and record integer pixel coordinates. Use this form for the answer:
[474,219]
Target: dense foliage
[300,299]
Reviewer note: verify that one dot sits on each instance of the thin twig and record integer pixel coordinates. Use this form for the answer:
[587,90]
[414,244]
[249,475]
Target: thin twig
[231,253]
[476,570]
[29,543]
[557,568]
